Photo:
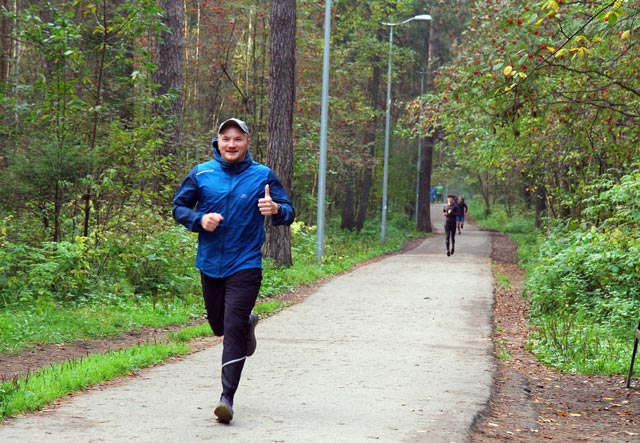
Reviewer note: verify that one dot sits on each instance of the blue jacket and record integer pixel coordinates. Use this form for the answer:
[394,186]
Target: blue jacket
[232,190]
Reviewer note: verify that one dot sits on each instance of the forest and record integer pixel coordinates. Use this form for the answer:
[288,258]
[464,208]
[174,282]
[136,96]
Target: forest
[529,109]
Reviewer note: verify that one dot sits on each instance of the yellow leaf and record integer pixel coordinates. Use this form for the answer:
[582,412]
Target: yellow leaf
[522,75]
[574,414]
[507,70]
[607,398]
[560,52]
[625,35]
[551,49]
[551,4]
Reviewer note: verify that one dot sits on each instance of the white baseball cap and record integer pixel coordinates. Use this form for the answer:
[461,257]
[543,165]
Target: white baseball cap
[234,122]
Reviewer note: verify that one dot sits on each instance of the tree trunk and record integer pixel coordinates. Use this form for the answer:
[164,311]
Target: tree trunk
[280,121]
[347,204]
[367,179]
[369,141]
[540,197]
[5,44]
[57,210]
[170,60]
[484,187]
[426,156]
[426,165]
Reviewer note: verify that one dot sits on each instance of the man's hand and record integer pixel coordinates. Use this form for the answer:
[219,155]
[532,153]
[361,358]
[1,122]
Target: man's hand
[266,205]
[211,221]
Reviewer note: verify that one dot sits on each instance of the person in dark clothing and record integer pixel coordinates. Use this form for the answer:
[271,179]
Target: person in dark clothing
[462,211]
[225,201]
[450,212]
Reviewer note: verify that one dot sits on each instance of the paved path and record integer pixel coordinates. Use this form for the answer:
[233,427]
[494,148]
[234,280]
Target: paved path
[395,351]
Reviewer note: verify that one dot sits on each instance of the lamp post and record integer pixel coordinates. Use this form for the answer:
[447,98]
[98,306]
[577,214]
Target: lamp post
[324,117]
[419,149]
[385,173]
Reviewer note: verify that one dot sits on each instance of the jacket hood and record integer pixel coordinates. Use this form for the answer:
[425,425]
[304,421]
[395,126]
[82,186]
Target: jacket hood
[231,167]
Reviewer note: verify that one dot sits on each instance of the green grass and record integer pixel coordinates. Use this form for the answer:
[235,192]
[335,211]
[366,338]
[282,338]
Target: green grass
[503,281]
[23,327]
[33,391]
[191,332]
[501,350]
[574,343]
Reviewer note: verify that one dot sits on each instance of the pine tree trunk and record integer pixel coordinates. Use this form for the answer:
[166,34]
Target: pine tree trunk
[5,44]
[347,204]
[369,140]
[170,59]
[280,121]
[424,207]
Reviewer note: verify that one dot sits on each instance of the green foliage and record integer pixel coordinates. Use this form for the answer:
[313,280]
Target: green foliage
[582,278]
[574,343]
[78,117]
[531,98]
[140,264]
[519,227]
[584,293]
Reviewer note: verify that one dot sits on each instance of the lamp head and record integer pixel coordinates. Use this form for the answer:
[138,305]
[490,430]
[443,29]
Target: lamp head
[417,17]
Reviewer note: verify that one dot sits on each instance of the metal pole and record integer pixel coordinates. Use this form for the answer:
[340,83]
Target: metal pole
[385,173]
[322,172]
[419,149]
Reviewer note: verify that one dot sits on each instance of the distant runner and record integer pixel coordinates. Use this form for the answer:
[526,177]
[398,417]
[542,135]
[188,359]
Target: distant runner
[462,210]
[450,212]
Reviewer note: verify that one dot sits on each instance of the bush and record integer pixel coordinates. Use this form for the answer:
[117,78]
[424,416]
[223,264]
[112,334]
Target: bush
[100,269]
[583,286]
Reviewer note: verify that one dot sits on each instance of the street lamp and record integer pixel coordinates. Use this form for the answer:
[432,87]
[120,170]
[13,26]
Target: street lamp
[419,147]
[385,173]
[324,117]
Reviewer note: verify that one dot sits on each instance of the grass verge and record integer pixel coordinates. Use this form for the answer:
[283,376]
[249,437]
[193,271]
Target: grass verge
[34,391]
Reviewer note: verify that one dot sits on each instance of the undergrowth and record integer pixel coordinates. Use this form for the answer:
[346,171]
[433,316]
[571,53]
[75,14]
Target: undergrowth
[582,279]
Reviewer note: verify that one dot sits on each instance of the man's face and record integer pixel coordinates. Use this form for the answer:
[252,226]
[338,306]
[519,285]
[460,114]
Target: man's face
[233,144]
